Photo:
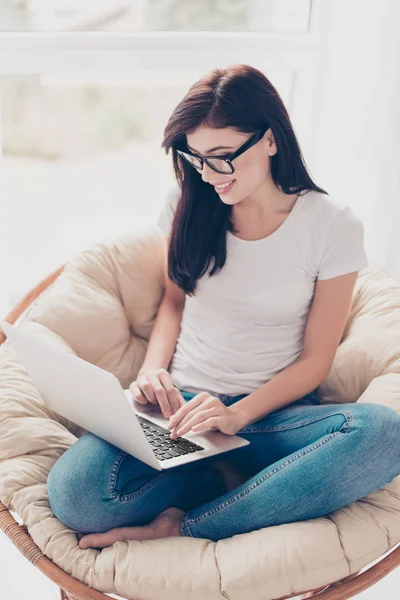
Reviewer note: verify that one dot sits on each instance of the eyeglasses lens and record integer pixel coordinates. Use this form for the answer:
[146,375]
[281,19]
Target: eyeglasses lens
[216,164]
[219,165]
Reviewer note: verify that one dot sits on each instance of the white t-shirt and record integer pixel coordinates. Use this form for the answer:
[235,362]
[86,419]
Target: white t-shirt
[247,322]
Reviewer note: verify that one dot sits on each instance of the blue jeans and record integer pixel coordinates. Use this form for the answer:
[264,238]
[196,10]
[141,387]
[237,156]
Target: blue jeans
[303,461]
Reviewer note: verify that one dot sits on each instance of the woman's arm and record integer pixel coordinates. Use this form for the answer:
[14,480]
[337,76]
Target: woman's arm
[295,381]
[325,326]
[164,335]
[167,326]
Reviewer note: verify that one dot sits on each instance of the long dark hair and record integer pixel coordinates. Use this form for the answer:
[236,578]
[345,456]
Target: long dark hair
[240,97]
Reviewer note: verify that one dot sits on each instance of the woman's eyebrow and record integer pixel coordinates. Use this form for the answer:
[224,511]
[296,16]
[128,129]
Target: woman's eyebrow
[212,149]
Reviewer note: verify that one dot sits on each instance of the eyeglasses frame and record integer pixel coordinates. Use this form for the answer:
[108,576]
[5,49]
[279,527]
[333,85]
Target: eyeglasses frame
[228,158]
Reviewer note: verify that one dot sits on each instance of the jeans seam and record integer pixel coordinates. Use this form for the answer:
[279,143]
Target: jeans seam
[185,529]
[255,429]
[113,480]
[114,473]
[226,503]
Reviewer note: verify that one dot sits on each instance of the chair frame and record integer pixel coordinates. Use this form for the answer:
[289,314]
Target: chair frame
[73,589]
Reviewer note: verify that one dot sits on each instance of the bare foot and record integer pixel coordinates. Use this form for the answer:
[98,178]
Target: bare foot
[166,524]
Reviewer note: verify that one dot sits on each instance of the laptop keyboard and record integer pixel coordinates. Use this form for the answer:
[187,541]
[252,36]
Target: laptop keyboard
[162,445]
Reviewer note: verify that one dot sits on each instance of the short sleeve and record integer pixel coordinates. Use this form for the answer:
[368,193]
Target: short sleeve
[165,218]
[343,248]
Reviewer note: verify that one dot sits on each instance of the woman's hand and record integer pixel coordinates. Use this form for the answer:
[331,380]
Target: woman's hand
[156,386]
[204,412]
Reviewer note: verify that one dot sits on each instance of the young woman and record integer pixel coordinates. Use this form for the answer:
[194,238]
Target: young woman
[259,280]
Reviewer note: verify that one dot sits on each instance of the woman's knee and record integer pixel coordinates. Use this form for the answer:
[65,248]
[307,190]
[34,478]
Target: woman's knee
[80,479]
[374,417]
[378,427]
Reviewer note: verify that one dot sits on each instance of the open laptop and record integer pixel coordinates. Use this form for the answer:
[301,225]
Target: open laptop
[95,400]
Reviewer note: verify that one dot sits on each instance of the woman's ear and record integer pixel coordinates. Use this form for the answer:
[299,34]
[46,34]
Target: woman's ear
[270,141]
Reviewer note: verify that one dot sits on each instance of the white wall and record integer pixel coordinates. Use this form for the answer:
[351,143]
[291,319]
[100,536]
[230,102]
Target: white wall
[357,126]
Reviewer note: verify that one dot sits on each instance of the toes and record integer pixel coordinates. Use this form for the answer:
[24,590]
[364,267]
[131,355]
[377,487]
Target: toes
[84,543]
[90,541]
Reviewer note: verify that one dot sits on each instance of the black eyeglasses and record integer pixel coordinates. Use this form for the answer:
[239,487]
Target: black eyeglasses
[221,164]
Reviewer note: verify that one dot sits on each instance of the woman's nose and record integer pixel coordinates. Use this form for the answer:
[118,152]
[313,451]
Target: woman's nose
[207,173]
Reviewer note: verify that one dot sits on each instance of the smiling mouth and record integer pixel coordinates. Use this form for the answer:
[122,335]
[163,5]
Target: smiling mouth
[225,186]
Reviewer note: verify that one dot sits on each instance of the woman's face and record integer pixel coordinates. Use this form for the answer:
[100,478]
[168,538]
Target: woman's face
[252,168]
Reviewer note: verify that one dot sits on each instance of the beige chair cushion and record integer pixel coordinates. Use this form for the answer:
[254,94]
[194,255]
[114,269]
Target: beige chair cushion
[102,308]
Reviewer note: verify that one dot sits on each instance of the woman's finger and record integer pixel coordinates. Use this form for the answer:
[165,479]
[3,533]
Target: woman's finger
[195,417]
[187,408]
[181,399]
[187,424]
[160,395]
[210,423]
[147,389]
[172,392]
[137,393]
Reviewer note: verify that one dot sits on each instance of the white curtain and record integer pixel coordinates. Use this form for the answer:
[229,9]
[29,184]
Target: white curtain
[357,127]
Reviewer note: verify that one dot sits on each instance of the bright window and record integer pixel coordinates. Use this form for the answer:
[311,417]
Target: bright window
[155,15]
[83,112]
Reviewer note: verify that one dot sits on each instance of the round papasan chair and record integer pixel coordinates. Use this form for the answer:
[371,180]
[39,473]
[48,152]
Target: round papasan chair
[101,306]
